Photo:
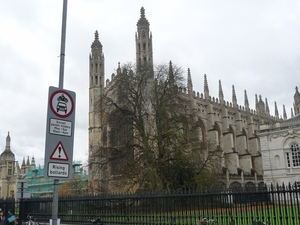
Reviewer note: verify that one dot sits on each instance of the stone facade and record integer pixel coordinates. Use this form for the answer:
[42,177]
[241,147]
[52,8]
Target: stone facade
[231,126]
[280,149]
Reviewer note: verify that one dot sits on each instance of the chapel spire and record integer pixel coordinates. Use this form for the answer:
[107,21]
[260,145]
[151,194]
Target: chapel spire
[284,113]
[96,46]
[267,107]
[234,99]
[246,103]
[221,95]
[189,82]
[276,111]
[206,90]
[96,64]
[143,41]
[171,74]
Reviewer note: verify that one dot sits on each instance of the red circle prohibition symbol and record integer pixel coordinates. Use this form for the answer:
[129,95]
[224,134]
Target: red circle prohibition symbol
[61,108]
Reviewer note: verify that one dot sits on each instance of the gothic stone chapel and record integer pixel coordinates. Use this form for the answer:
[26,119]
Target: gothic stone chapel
[231,127]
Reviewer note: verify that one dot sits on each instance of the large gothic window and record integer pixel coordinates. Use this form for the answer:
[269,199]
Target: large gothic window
[219,137]
[201,131]
[293,157]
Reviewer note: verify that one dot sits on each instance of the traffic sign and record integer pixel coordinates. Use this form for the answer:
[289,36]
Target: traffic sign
[61,103]
[60,133]
[59,170]
[59,153]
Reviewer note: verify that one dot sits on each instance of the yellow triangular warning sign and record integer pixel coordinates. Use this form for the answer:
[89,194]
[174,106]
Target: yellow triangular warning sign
[59,153]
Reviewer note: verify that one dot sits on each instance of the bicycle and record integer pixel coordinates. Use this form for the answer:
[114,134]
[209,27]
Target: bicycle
[97,222]
[257,222]
[31,221]
[207,222]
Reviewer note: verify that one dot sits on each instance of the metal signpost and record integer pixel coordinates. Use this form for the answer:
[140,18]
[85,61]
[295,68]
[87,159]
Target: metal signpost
[60,127]
[22,193]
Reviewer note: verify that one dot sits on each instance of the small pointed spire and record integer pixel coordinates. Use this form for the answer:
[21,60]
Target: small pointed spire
[119,69]
[17,167]
[171,74]
[292,113]
[33,161]
[7,146]
[96,36]
[276,111]
[96,43]
[234,100]
[260,105]
[28,163]
[267,107]
[143,22]
[206,90]
[142,12]
[297,102]
[189,82]
[221,95]
[284,113]
[246,102]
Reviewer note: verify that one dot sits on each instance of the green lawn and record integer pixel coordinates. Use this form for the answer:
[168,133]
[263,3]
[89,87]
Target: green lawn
[223,216]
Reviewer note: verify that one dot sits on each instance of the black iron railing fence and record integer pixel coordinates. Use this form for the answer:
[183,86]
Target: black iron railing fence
[277,205]
[7,204]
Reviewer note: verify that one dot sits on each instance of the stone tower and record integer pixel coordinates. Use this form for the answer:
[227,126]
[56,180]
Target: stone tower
[96,86]
[7,170]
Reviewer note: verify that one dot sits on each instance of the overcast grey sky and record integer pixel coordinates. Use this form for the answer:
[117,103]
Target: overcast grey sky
[251,44]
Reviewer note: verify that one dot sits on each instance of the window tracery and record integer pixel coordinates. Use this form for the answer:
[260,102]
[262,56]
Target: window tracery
[293,157]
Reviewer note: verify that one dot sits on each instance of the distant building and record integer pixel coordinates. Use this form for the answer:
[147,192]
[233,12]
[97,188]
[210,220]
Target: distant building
[8,171]
[280,149]
[231,126]
[11,173]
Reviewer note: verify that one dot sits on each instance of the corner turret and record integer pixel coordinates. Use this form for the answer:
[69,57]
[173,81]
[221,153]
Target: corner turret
[7,154]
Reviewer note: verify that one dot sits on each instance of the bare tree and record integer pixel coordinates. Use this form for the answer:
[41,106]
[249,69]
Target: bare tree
[153,140]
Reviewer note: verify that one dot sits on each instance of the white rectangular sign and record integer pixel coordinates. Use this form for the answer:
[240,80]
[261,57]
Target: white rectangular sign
[22,185]
[25,194]
[58,170]
[60,127]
